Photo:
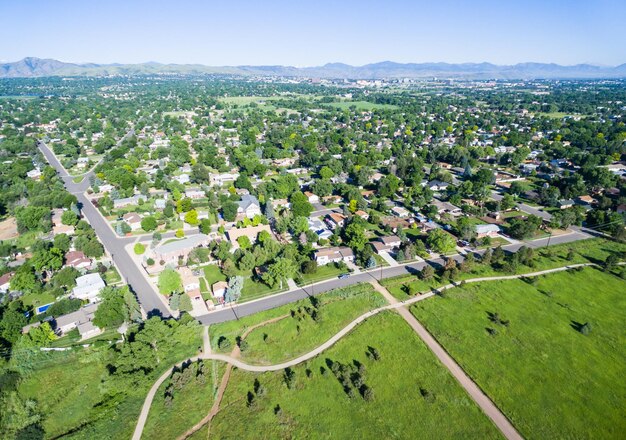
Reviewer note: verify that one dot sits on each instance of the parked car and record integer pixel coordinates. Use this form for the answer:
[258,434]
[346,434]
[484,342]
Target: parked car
[344,275]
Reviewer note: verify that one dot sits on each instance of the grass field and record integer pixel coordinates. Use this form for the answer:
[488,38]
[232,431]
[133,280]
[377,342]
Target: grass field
[413,396]
[290,337]
[360,105]
[293,336]
[77,397]
[548,378]
[585,251]
[189,404]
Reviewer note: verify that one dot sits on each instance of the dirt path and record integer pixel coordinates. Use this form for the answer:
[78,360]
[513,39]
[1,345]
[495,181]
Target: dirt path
[481,399]
[235,353]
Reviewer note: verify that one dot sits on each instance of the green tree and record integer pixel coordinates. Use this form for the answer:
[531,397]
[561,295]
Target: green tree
[355,237]
[192,217]
[300,206]
[279,271]
[205,226]
[62,242]
[139,248]
[69,218]
[113,309]
[149,223]
[440,241]
[229,211]
[169,281]
[235,286]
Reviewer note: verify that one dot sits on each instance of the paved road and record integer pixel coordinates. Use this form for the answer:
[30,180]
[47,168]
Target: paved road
[539,212]
[150,300]
[280,299]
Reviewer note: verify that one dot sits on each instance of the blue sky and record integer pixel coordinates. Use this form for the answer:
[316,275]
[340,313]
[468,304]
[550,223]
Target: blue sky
[307,33]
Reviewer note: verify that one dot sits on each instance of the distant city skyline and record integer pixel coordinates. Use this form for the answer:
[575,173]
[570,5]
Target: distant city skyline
[283,33]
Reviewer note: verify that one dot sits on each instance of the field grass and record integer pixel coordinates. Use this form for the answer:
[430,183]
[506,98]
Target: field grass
[189,404]
[360,105]
[67,389]
[290,337]
[36,299]
[112,276]
[77,397]
[318,407]
[293,336]
[548,378]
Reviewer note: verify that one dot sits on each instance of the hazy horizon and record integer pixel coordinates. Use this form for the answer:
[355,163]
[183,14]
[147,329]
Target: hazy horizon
[281,33]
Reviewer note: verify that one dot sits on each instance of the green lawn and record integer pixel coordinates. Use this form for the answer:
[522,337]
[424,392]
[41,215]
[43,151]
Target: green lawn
[293,336]
[213,274]
[78,179]
[318,407]
[112,276]
[322,273]
[189,404]
[36,299]
[547,377]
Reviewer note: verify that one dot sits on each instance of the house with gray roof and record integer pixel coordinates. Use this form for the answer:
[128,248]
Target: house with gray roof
[249,206]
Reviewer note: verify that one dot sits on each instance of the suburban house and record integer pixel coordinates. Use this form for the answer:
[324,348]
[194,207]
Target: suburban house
[77,260]
[88,287]
[80,319]
[171,252]
[335,220]
[490,230]
[5,282]
[220,179]
[249,206]
[586,200]
[446,207]
[399,211]
[311,197]
[334,255]
[360,213]
[438,185]
[386,244]
[133,220]
[191,283]
[564,204]
[182,178]
[318,226]
[160,204]
[281,203]
[251,232]
[194,193]
[219,289]
[128,201]
[621,209]
[82,162]
[34,174]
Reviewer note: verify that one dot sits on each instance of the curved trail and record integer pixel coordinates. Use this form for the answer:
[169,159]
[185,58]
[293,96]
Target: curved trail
[233,361]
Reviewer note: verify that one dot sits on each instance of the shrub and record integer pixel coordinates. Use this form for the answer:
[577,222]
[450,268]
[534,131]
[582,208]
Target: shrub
[139,248]
[180,233]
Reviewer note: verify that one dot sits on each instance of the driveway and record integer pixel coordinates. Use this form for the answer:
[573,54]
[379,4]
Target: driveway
[388,258]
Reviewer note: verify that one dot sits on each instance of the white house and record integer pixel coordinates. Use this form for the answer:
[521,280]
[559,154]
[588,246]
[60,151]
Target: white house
[133,220]
[182,178]
[490,230]
[88,287]
[194,193]
[334,255]
[311,197]
[399,211]
[249,206]
[34,174]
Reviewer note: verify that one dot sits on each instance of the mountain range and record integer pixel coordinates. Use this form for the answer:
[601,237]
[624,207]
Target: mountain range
[37,67]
